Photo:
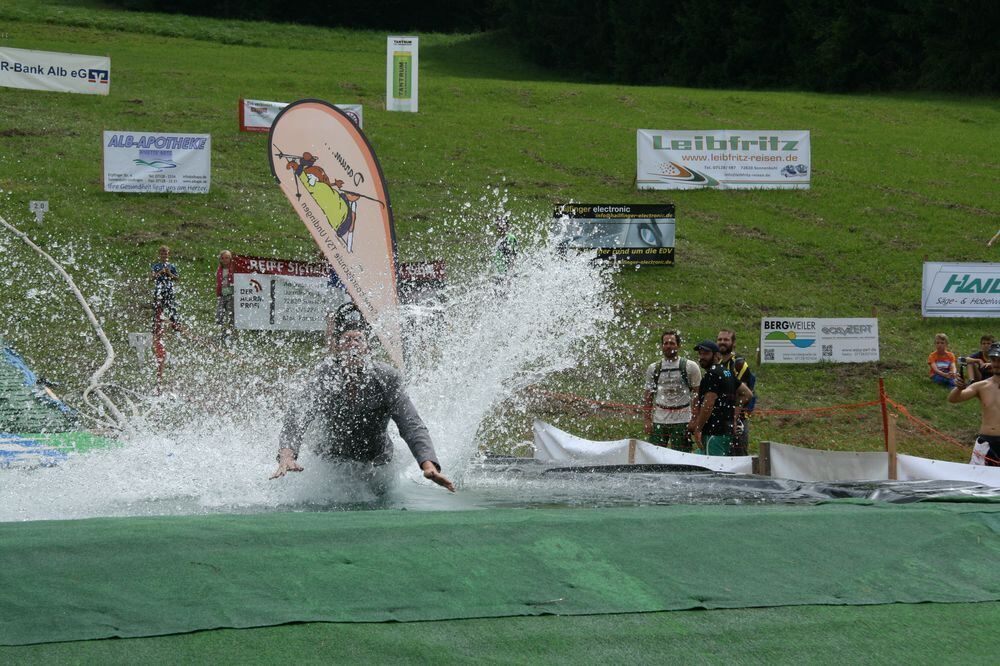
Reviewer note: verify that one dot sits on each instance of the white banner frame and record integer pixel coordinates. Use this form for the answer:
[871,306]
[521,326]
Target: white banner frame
[54,71]
[819,340]
[157,162]
[402,73]
[723,159]
[257,115]
[951,289]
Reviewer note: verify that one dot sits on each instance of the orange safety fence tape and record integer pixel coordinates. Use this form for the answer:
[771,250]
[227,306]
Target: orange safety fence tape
[931,430]
[758,413]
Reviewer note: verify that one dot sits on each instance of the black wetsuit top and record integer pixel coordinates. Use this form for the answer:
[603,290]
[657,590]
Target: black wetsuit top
[353,412]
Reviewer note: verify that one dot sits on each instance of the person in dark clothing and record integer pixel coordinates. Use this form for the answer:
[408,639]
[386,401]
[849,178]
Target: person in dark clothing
[718,396]
[741,369]
[352,397]
[164,274]
[979,364]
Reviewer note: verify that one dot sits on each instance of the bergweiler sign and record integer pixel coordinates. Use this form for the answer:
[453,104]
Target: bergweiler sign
[814,340]
[633,234]
[960,290]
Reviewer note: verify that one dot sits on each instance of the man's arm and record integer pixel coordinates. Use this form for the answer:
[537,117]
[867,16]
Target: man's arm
[415,434]
[961,392]
[647,411]
[704,411]
[694,381]
[297,419]
[744,395]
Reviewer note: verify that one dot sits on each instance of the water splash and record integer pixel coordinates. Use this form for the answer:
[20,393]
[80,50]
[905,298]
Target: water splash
[209,440]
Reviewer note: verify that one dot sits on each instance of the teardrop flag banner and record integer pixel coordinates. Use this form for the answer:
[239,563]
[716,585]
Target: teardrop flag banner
[329,172]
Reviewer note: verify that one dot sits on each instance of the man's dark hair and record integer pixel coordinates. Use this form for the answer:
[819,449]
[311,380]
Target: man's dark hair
[731,333]
[677,336]
[986,338]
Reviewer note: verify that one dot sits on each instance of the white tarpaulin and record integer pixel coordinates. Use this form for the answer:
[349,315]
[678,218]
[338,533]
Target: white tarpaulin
[55,72]
[157,162]
[910,468]
[650,454]
[555,445]
[792,462]
[961,290]
[723,159]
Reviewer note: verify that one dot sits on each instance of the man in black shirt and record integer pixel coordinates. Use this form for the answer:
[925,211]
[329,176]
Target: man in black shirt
[739,367]
[719,393]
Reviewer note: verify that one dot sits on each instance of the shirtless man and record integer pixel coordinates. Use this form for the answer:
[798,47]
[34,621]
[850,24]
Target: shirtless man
[988,392]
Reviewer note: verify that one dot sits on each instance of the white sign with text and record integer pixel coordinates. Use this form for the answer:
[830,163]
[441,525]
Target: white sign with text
[960,290]
[813,340]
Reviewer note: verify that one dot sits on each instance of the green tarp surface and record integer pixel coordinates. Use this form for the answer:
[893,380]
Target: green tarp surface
[892,634]
[72,580]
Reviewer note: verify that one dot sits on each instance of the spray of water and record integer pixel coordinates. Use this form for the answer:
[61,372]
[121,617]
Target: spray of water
[209,440]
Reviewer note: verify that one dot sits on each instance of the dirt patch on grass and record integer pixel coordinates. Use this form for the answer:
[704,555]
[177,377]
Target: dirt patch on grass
[15,132]
[702,216]
[737,231]
[143,236]
[927,201]
[523,129]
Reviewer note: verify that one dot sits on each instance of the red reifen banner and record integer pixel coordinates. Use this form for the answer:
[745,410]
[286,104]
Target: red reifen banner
[330,174]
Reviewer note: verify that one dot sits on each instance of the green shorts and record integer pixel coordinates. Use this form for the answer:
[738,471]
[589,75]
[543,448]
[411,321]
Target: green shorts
[716,445]
[671,435]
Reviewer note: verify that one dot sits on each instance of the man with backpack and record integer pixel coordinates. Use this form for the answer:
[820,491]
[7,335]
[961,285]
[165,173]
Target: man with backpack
[741,370]
[670,396]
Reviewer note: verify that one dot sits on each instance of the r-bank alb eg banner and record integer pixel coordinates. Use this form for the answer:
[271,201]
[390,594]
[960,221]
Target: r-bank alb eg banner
[56,72]
[723,159]
[157,162]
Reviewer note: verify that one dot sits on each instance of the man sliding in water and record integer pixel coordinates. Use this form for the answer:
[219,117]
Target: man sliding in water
[353,396]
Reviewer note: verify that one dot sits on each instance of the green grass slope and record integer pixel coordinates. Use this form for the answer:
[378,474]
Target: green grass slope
[896,180]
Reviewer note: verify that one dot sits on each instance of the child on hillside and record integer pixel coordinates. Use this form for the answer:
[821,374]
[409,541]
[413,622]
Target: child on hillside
[163,275]
[224,311]
[942,362]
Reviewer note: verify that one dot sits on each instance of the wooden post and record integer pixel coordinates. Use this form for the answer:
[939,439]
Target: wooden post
[764,459]
[891,447]
[885,412]
[631,451]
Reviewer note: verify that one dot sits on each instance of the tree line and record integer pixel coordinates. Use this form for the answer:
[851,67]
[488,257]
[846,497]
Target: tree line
[850,45]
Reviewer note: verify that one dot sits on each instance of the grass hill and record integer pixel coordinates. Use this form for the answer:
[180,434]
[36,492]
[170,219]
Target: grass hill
[897,179]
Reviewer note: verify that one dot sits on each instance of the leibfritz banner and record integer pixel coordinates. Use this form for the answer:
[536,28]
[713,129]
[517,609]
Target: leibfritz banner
[329,172]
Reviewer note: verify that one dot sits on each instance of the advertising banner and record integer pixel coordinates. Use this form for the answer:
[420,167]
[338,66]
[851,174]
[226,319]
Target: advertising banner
[421,281]
[55,72]
[634,234]
[283,295]
[812,340]
[331,176]
[401,74]
[157,162]
[722,159]
[257,115]
[961,290]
